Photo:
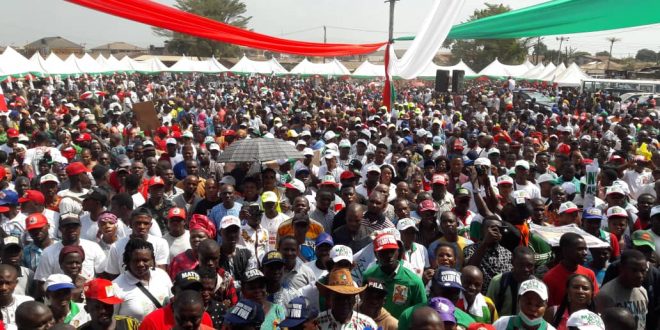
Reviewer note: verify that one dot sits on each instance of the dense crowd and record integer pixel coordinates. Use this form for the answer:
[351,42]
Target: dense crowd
[434,215]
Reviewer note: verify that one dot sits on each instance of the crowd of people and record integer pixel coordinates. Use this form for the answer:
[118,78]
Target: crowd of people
[428,216]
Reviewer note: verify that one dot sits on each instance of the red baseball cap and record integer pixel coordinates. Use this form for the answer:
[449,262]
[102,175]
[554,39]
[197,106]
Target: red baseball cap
[229,132]
[84,137]
[439,179]
[427,205]
[76,168]
[176,212]
[102,290]
[33,196]
[176,135]
[156,181]
[35,221]
[163,130]
[385,242]
[12,133]
[346,175]
[480,326]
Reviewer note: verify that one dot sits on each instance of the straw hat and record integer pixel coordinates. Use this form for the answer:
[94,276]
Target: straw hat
[340,281]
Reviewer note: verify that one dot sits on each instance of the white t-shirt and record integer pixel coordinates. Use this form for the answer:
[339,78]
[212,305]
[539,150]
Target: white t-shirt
[34,155]
[272,225]
[418,258]
[636,181]
[317,271]
[14,226]
[177,245]
[9,312]
[532,190]
[115,264]
[71,201]
[503,322]
[89,228]
[136,304]
[50,260]
[138,200]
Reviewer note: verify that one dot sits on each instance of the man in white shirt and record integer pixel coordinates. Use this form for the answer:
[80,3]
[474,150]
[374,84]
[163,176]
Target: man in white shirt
[521,183]
[141,222]
[33,201]
[637,177]
[94,262]
[79,182]
[254,237]
[9,301]
[94,203]
[272,218]
[177,237]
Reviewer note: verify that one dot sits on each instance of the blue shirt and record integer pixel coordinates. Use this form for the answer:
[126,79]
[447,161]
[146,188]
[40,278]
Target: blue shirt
[219,211]
[32,256]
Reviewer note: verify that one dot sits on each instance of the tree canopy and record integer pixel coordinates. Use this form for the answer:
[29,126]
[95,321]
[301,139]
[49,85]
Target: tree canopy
[646,55]
[225,11]
[479,53]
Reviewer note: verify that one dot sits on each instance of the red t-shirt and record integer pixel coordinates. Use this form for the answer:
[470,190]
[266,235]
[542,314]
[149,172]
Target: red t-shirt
[556,279]
[163,319]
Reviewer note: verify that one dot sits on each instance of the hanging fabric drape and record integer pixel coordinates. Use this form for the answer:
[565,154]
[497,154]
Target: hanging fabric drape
[432,34]
[162,16]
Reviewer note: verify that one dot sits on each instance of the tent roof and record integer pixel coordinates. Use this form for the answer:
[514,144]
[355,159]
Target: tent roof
[368,70]
[495,69]
[572,76]
[552,75]
[460,66]
[14,64]
[533,71]
[332,68]
[89,65]
[246,65]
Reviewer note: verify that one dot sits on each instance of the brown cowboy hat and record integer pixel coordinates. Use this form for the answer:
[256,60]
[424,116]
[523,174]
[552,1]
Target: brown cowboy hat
[340,281]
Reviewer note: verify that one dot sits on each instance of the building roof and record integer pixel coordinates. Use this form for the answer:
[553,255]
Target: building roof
[120,46]
[53,42]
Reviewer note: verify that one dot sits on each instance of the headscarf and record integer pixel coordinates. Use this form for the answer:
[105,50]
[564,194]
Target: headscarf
[71,249]
[201,222]
[107,217]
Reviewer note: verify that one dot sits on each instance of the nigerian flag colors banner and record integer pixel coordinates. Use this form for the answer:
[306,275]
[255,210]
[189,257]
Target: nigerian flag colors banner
[559,17]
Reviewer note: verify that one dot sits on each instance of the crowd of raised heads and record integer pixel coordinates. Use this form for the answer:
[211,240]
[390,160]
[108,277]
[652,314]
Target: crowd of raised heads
[480,209]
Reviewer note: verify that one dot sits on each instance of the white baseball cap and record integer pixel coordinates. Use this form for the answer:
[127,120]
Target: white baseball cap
[187,134]
[535,286]
[170,141]
[482,162]
[522,163]
[56,282]
[308,152]
[568,207]
[229,220]
[504,179]
[493,151]
[48,178]
[214,146]
[406,223]
[329,135]
[344,144]
[341,252]
[373,168]
[655,211]
[617,211]
[295,184]
[547,177]
[585,319]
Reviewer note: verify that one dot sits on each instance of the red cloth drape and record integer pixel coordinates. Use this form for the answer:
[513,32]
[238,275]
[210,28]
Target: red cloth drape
[162,16]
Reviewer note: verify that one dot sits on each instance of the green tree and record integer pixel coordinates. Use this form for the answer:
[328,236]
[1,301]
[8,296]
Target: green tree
[479,53]
[646,55]
[603,53]
[225,11]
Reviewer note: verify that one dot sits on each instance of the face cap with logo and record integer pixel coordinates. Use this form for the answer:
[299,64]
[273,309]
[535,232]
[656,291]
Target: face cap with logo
[444,307]
[535,286]
[643,238]
[245,312]
[272,257]
[102,290]
[585,320]
[298,311]
[56,282]
[385,242]
[35,221]
[446,277]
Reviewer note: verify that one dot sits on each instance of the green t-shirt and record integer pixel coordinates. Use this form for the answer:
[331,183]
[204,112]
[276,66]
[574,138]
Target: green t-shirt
[462,318]
[405,288]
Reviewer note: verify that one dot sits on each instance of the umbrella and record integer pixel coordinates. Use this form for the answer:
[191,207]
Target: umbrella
[88,94]
[259,150]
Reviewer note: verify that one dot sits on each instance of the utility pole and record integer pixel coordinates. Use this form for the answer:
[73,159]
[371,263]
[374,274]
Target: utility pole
[391,26]
[561,40]
[325,38]
[612,40]
[538,49]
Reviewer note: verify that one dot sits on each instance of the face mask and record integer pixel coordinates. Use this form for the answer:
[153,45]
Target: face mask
[530,322]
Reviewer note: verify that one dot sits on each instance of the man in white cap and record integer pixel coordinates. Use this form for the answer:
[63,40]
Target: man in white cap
[330,167]
[415,253]
[533,301]
[59,291]
[585,320]
[521,182]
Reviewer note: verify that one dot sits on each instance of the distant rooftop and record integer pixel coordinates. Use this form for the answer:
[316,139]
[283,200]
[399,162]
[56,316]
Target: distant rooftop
[52,42]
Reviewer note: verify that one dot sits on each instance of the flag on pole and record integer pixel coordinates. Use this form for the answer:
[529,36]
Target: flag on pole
[389,94]
[3,102]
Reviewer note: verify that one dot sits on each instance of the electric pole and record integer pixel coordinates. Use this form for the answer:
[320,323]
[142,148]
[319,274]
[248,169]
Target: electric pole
[612,40]
[391,27]
[561,40]
[325,38]
[538,49]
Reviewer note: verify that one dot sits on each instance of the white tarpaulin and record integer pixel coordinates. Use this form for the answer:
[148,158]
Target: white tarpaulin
[459,66]
[369,70]
[127,64]
[38,61]
[518,71]
[184,64]
[571,77]
[246,65]
[152,65]
[87,64]
[55,66]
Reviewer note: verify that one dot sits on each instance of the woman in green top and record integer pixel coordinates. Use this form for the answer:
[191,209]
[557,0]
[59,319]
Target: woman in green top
[254,288]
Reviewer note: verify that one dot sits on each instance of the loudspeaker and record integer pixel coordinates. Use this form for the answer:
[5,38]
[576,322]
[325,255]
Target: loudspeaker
[442,81]
[457,81]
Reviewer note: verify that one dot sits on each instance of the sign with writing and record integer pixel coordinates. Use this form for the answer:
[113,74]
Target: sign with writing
[551,235]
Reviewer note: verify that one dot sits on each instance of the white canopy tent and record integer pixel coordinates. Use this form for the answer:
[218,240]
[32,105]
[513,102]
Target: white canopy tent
[495,69]
[153,65]
[518,71]
[533,71]
[333,68]
[184,64]
[16,65]
[248,66]
[571,77]
[39,62]
[369,70]
[459,66]
[552,75]
[546,71]
[89,65]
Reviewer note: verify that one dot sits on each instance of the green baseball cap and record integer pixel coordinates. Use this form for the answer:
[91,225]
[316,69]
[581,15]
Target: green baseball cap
[643,238]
